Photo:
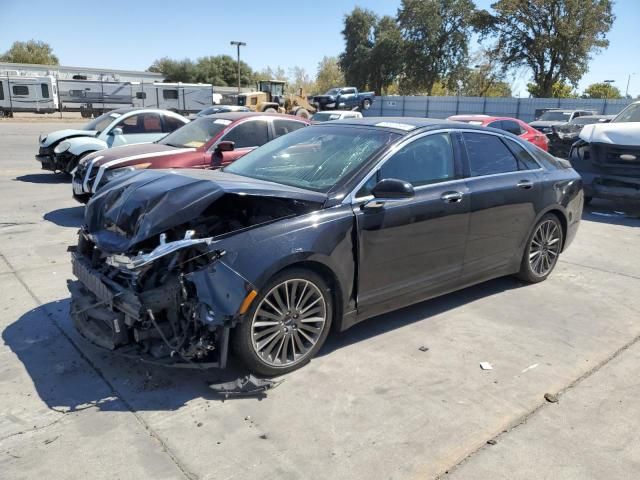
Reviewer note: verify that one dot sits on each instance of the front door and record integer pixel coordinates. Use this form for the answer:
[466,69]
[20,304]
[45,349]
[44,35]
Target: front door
[505,193]
[410,248]
[246,136]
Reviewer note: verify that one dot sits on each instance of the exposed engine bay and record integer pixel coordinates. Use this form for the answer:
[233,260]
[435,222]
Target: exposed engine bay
[171,298]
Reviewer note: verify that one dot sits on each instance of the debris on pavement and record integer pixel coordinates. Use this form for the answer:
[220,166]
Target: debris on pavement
[246,386]
[530,367]
[551,397]
[423,348]
[492,442]
[486,366]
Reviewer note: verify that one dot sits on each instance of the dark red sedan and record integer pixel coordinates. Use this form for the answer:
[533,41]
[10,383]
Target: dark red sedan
[207,142]
[508,124]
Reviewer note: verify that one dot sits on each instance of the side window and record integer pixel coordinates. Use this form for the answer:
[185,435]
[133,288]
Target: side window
[525,160]
[170,94]
[488,155]
[20,90]
[512,127]
[426,160]
[348,91]
[282,127]
[497,124]
[45,90]
[129,125]
[1,91]
[171,124]
[151,123]
[252,133]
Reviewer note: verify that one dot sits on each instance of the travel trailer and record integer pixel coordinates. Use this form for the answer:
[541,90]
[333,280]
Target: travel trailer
[28,94]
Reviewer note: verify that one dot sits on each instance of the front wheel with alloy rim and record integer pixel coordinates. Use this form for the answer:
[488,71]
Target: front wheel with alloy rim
[287,323]
[543,249]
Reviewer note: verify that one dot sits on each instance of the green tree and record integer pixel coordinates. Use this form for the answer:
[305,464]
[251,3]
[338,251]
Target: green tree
[558,90]
[358,34]
[174,70]
[486,78]
[386,56]
[222,70]
[329,74]
[300,79]
[436,35]
[32,51]
[553,38]
[269,73]
[601,90]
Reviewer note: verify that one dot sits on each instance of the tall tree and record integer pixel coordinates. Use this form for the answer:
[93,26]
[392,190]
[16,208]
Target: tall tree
[558,90]
[329,74]
[32,51]
[358,34]
[553,38]
[300,79]
[174,70]
[485,77]
[386,58]
[436,35]
[222,70]
[601,90]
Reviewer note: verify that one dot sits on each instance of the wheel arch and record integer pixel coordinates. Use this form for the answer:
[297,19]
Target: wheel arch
[557,210]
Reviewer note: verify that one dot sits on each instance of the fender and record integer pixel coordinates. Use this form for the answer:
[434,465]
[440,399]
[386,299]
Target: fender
[80,145]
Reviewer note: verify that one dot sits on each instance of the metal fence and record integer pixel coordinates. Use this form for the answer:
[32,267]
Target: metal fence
[522,108]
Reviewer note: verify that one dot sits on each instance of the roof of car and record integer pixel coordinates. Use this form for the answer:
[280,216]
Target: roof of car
[484,118]
[397,124]
[233,116]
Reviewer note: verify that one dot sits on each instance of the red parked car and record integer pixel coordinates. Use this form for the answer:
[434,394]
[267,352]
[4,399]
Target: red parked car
[508,124]
[207,142]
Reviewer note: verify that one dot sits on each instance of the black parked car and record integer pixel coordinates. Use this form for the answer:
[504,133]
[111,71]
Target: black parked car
[324,227]
[564,135]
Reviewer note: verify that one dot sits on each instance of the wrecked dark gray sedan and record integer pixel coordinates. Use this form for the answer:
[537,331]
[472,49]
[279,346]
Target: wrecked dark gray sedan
[321,228]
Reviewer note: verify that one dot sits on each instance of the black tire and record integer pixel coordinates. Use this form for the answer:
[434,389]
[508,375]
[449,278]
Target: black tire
[270,110]
[242,337]
[587,200]
[302,113]
[530,270]
[366,104]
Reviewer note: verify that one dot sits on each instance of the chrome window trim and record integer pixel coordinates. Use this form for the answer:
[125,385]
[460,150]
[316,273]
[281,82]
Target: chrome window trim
[352,199]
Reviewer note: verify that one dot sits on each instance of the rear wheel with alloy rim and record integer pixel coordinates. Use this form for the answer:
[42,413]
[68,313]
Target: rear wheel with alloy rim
[543,249]
[286,325]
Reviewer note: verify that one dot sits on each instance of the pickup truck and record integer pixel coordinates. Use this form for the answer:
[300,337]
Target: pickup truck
[344,98]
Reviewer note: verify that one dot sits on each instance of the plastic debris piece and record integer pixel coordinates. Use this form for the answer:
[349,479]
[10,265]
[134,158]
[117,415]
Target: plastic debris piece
[246,386]
[423,348]
[530,367]
[551,398]
[486,366]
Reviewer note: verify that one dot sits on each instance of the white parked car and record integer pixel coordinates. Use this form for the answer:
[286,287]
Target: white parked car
[334,115]
[60,151]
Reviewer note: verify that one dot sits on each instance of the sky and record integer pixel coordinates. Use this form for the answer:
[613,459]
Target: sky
[130,35]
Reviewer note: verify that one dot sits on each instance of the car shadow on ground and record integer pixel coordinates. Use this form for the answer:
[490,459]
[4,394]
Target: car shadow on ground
[422,311]
[69,374]
[602,211]
[48,177]
[66,217]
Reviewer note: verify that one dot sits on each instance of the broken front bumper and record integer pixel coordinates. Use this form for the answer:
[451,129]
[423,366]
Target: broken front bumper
[611,187]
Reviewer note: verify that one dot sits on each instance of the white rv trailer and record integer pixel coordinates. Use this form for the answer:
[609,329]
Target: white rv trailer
[28,94]
[180,97]
[93,96]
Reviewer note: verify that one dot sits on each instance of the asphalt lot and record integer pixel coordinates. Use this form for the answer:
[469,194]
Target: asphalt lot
[372,405]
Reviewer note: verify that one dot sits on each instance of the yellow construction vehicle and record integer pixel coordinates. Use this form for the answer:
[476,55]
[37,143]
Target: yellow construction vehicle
[270,96]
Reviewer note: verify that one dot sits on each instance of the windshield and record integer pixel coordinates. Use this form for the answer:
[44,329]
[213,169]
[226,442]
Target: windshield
[325,116]
[333,91]
[555,116]
[196,133]
[101,122]
[629,114]
[314,158]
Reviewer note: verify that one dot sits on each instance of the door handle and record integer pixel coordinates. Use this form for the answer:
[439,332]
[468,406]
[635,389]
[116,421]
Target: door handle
[451,197]
[526,184]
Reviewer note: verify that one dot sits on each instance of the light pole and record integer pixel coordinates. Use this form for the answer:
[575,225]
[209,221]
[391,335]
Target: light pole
[606,93]
[238,45]
[626,92]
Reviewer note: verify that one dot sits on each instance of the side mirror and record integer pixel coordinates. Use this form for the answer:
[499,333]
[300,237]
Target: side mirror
[115,132]
[392,189]
[225,146]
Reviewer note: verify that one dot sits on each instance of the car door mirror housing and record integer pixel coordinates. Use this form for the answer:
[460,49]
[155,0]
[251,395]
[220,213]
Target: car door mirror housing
[392,188]
[225,146]
[116,131]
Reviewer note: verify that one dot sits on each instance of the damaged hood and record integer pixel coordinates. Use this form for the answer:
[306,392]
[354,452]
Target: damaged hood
[144,203]
[624,133]
[53,137]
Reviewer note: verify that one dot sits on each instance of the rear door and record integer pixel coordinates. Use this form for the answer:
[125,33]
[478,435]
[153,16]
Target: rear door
[411,247]
[504,201]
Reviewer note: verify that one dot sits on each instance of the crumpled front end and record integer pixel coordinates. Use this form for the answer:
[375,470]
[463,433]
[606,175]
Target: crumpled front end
[174,305]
